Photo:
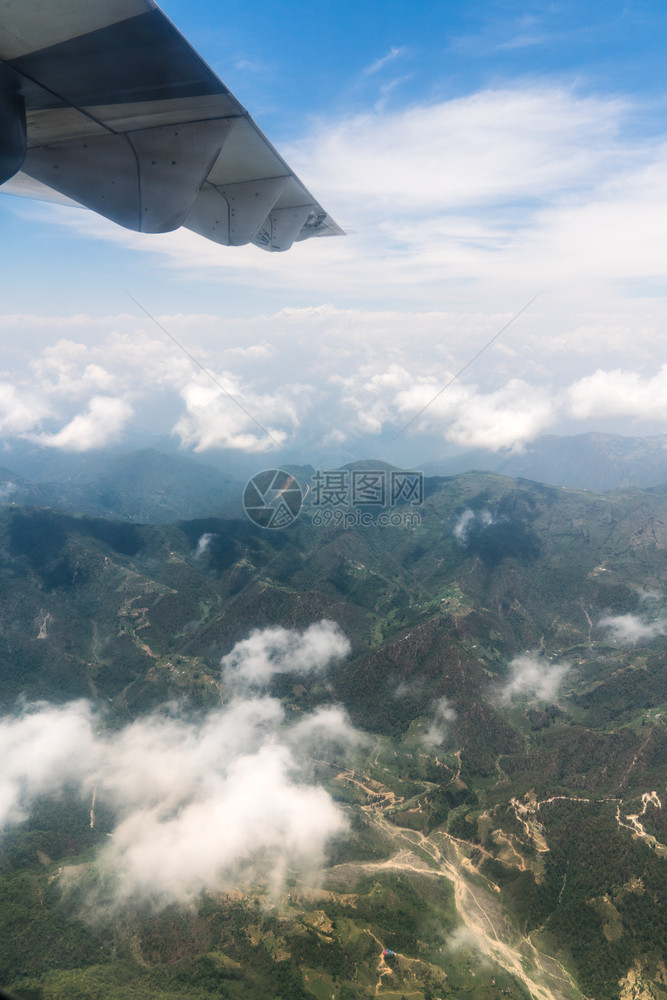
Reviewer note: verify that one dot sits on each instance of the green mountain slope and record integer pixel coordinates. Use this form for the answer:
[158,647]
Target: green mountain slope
[507,823]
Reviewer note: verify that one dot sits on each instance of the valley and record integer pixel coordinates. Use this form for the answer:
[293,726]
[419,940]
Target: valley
[494,775]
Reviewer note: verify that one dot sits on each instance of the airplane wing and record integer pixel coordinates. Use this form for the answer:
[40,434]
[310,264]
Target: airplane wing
[105,104]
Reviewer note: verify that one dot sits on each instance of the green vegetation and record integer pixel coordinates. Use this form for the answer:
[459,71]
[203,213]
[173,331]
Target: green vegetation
[528,796]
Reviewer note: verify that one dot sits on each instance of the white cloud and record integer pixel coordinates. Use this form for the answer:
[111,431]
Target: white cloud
[235,418]
[463,525]
[255,660]
[197,802]
[491,193]
[64,369]
[631,629]
[443,715]
[41,751]
[495,145]
[508,417]
[532,678]
[203,544]
[102,424]
[475,203]
[367,375]
[20,410]
[620,394]
[470,519]
[328,726]
[232,812]
[464,939]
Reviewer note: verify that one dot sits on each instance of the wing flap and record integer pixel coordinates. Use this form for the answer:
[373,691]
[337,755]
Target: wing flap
[146,181]
[282,227]
[234,213]
[247,157]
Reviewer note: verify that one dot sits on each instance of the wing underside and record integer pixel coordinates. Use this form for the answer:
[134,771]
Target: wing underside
[106,104]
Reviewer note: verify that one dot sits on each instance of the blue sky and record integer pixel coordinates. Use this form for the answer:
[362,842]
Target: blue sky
[478,153]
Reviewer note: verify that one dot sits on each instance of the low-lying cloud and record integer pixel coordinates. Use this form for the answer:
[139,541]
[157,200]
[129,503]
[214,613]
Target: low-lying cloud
[470,520]
[532,678]
[102,424]
[196,803]
[464,939]
[203,544]
[271,651]
[441,720]
[42,750]
[631,629]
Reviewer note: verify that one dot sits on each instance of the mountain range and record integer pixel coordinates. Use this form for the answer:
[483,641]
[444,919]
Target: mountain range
[593,461]
[157,484]
[492,676]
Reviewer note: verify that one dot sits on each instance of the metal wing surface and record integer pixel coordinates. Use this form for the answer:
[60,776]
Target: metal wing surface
[105,104]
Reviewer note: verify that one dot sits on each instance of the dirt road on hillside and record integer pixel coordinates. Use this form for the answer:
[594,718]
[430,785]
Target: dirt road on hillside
[481,910]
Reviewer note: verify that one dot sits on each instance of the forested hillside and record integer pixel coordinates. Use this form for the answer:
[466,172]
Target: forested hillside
[489,687]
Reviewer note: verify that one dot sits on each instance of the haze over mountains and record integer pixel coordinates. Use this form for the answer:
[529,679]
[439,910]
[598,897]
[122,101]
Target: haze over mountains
[597,462]
[159,484]
[243,763]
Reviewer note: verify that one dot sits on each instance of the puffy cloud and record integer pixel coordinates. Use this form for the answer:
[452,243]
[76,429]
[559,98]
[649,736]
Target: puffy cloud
[631,629]
[443,716]
[532,678]
[507,417]
[197,801]
[620,393]
[327,727]
[255,660]
[21,410]
[368,373]
[463,525]
[233,417]
[100,425]
[64,368]
[206,803]
[420,394]
[42,750]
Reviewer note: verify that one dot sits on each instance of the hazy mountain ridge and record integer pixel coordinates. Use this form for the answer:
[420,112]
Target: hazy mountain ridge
[158,486]
[147,486]
[593,461]
[507,716]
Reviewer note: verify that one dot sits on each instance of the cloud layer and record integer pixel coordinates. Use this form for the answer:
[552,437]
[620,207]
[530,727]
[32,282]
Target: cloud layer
[331,378]
[460,211]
